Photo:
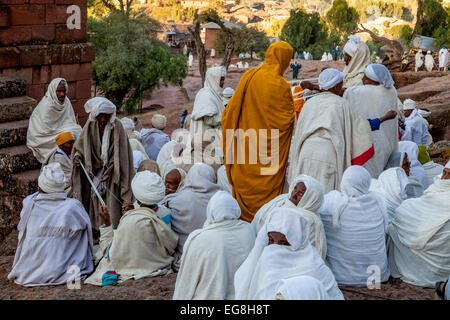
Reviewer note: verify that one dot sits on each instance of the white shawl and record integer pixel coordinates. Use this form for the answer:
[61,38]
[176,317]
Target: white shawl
[55,233]
[354,72]
[48,120]
[301,288]
[266,265]
[212,254]
[374,102]
[222,179]
[421,229]
[432,170]
[411,149]
[355,222]
[415,129]
[307,207]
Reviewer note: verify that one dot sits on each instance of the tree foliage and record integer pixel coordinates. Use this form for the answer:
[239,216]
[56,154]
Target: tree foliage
[129,61]
[342,18]
[435,22]
[308,32]
[247,40]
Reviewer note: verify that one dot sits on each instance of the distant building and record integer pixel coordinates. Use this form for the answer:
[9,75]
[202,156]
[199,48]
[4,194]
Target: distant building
[197,4]
[210,30]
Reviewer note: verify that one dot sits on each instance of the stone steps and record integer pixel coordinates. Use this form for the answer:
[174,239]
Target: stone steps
[13,133]
[10,87]
[16,108]
[17,159]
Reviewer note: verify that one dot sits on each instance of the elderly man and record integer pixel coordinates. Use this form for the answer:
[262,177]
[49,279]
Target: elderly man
[262,104]
[419,250]
[65,142]
[357,58]
[105,152]
[55,237]
[53,115]
[373,99]
[329,137]
[143,244]
[154,139]
[415,129]
[208,104]
[214,253]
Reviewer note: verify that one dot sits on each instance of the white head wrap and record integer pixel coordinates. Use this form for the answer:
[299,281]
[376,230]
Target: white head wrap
[351,45]
[302,288]
[312,199]
[409,104]
[148,187]
[228,92]
[51,92]
[168,167]
[127,124]
[212,80]
[159,121]
[138,157]
[52,179]
[329,78]
[380,74]
[222,206]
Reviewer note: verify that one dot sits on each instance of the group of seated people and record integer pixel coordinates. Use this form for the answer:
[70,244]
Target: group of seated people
[118,184]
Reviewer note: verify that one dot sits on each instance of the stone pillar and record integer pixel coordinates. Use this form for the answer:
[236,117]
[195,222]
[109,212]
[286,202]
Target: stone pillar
[36,45]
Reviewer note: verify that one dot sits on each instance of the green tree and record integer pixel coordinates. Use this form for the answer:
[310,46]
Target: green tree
[275,28]
[247,40]
[435,22]
[129,61]
[342,18]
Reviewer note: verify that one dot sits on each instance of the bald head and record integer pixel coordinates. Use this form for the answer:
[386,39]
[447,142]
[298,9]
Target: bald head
[172,181]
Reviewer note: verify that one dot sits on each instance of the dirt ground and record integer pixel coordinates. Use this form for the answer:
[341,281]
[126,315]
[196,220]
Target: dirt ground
[171,102]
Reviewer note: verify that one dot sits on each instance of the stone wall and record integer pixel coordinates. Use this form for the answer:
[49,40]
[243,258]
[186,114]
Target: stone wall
[36,45]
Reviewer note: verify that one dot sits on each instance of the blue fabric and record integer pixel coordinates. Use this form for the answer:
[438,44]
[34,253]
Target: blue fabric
[109,278]
[375,124]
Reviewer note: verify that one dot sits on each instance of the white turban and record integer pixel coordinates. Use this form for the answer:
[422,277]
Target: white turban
[52,179]
[148,187]
[138,157]
[127,124]
[329,78]
[380,74]
[159,121]
[351,45]
[98,105]
[228,92]
[409,104]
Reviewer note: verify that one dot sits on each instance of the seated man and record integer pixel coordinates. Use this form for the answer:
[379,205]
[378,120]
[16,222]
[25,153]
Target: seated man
[355,222]
[143,244]
[305,196]
[282,250]
[431,168]
[154,139]
[54,235]
[173,177]
[214,253]
[65,142]
[419,251]
[414,128]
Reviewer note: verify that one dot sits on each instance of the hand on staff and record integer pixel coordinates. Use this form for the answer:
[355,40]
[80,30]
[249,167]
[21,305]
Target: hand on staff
[77,160]
[104,213]
[127,206]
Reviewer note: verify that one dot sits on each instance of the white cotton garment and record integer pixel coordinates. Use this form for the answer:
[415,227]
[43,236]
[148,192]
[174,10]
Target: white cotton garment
[373,102]
[153,140]
[301,288]
[355,222]
[55,236]
[329,78]
[212,255]
[148,187]
[222,179]
[52,178]
[208,103]
[352,45]
[391,186]
[432,170]
[189,204]
[142,246]
[127,124]
[48,120]
[354,71]
[307,207]
[380,74]
[259,275]
[419,250]
[416,130]
[411,149]
[136,145]
[165,153]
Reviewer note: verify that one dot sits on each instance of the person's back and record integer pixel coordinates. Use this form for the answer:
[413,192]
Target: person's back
[153,140]
[54,235]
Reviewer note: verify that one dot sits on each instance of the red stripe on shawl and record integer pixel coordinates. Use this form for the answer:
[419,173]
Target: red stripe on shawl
[364,157]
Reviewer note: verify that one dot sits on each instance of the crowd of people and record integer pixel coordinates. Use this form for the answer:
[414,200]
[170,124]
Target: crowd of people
[343,188]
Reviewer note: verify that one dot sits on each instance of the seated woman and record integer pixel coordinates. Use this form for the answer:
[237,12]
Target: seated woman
[143,244]
[212,254]
[419,250]
[412,150]
[305,196]
[282,250]
[355,222]
[414,188]
[189,204]
[391,186]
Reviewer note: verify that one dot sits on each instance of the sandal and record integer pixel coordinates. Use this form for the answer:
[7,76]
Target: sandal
[440,295]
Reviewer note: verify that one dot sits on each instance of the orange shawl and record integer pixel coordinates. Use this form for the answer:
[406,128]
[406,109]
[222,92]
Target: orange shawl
[262,100]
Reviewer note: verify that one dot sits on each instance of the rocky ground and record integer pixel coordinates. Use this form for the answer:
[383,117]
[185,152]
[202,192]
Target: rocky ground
[431,90]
